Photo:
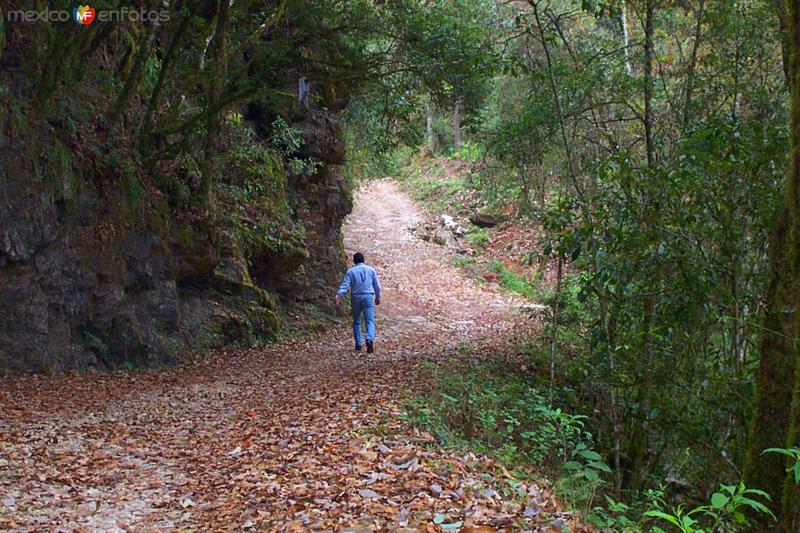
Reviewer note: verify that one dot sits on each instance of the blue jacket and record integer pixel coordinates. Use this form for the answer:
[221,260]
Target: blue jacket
[361,279]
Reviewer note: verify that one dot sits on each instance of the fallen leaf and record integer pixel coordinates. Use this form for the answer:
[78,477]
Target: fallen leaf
[368,494]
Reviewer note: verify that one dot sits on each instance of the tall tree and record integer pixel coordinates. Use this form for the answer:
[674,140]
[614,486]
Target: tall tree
[2,34]
[457,125]
[214,94]
[649,56]
[777,416]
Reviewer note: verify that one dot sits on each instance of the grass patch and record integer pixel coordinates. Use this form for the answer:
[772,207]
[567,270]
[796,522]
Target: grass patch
[513,282]
[426,183]
[461,261]
[478,238]
[437,195]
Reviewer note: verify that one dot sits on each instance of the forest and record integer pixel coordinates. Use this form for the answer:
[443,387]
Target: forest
[650,142]
[181,185]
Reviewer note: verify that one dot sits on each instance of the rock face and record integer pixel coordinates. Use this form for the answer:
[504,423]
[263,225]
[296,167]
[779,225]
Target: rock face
[327,199]
[98,268]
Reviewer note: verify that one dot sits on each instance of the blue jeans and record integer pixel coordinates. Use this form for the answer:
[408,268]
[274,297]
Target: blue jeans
[363,304]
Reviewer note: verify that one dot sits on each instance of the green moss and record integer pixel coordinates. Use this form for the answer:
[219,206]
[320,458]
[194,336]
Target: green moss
[253,210]
[256,174]
[94,343]
[69,181]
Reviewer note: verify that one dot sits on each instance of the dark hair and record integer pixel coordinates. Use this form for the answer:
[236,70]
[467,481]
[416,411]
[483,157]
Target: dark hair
[358,257]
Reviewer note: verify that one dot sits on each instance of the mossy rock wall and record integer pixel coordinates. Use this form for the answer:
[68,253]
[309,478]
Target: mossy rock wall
[104,266]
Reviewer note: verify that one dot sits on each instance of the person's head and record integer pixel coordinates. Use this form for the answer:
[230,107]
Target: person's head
[358,257]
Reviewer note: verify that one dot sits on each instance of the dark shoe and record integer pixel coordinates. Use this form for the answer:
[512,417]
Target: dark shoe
[370,347]
[358,348]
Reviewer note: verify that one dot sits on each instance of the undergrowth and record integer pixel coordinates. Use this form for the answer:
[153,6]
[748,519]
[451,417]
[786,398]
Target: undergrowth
[427,183]
[502,414]
[532,289]
[493,409]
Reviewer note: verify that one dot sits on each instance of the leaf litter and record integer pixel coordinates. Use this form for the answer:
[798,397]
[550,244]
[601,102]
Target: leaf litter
[304,435]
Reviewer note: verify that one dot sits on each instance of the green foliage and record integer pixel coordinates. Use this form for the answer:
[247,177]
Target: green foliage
[726,511]
[613,517]
[794,455]
[447,53]
[693,240]
[370,153]
[513,282]
[167,88]
[427,183]
[95,345]
[469,151]
[583,477]
[461,261]
[503,414]
[729,509]
[253,192]
[287,141]
[478,237]
[152,67]
[256,172]
[665,253]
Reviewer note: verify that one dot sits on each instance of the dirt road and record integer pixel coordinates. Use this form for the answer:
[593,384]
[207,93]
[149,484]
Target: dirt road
[298,436]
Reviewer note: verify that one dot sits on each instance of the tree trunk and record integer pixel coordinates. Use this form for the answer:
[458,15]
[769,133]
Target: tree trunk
[776,419]
[609,328]
[214,94]
[626,36]
[640,438]
[166,65]
[527,204]
[649,55]
[60,49]
[687,100]
[639,442]
[457,126]
[783,20]
[2,33]
[132,81]
[573,173]
[429,127]
[554,325]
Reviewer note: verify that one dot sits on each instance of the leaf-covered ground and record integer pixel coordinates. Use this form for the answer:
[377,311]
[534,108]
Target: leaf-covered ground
[299,436]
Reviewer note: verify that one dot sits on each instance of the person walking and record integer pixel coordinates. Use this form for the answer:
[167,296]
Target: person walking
[365,294]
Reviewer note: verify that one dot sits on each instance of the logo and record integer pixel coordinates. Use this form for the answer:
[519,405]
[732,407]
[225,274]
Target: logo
[83,15]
